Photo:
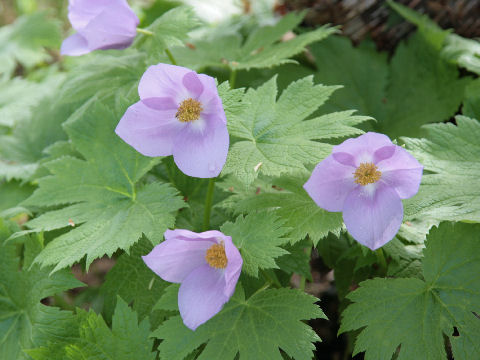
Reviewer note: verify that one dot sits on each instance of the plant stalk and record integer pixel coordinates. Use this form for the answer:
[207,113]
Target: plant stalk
[208,204]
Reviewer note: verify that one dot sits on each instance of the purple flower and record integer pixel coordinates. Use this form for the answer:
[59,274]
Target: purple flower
[206,264]
[100,24]
[366,178]
[179,114]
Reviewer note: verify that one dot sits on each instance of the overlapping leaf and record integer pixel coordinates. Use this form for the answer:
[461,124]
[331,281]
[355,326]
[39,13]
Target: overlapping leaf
[24,321]
[24,41]
[451,153]
[92,338]
[169,30]
[256,327]
[261,49]
[416,314]
[290,202]
[257,236]
[134,282]
[108,207]
[275,138]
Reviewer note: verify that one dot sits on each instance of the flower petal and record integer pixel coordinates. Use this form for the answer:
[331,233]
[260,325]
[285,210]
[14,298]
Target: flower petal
[211,235]
[174,259]
[201,295]
[363,147]
[193,84]
[164,80]
[74,45]
[234,266]
[330,184]
[201,152]
[373,214]
[149,131]
[402,171]
[111,29]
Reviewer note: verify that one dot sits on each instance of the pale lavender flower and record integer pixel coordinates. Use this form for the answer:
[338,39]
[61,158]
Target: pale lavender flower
[179,114]
[366,178]
[100,24]
[206,264]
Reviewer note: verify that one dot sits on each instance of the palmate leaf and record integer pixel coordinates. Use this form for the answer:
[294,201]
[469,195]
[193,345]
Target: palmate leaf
[92,339]
[107,202]
[261,49]
[416,314]
[419,86]
[134,282]
[24,41]
[288,200]
[258,236]
[19,96]
[275,138]
[169,30]
[254,328]
[423,88]
[452,154]
[361,70]
[24,321]
[471,101]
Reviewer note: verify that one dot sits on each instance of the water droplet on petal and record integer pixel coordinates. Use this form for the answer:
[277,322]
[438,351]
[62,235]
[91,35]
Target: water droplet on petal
[211,167]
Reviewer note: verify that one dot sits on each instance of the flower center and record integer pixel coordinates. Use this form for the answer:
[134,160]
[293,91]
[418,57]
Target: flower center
[189,110]
[367,173]
[216,256]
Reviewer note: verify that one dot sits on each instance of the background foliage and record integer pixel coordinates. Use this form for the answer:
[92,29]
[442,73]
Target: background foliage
[72,194]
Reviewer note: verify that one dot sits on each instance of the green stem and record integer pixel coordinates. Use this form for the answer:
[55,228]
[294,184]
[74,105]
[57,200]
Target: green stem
[303,279]
[170,56]
[382,263]
[233,78]
[270,279]
[208,204]
[144,32]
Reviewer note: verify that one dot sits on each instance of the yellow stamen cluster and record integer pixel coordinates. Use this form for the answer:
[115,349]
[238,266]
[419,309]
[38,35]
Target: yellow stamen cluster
[189,110]
[367,173]
[216,256]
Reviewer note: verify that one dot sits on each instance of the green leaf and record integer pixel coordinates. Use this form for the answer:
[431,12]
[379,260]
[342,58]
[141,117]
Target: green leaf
[290,202]
[134,282]
[24,321]
[427,27]
[113,211]
[259,326]
[106,76]
[423,88]
[257,236]
[169,30]
[471,101]
[450,155]
[18,98]
[417,314]
[465,52]
[361,70]
[263,48]
[12,193]
[127,339]
[275,138]
[24,41]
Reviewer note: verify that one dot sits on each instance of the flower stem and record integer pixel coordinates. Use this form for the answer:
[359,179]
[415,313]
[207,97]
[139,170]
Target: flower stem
[208,204]
[303,279]
[233,78]
[170,56]
[382,263]
[144,32]
[273,281]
